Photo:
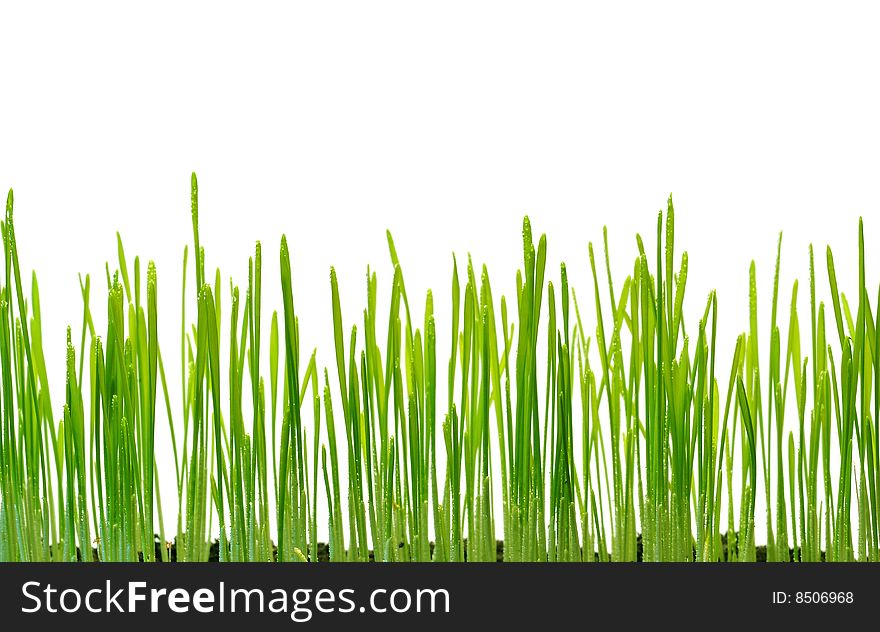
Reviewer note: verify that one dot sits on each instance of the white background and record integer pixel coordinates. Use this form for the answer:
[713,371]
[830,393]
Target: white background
[445,122]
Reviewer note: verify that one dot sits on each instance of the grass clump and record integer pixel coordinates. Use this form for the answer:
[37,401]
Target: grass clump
[616,440]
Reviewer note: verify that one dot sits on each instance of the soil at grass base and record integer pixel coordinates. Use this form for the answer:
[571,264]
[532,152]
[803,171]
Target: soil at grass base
[324,551]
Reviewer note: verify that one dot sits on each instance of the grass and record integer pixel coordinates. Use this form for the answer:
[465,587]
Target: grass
[616,440]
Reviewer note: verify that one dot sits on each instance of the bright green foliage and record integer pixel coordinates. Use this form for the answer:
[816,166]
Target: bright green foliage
[617,440]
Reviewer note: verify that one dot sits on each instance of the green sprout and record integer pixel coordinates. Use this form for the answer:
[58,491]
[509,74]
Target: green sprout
[557,440]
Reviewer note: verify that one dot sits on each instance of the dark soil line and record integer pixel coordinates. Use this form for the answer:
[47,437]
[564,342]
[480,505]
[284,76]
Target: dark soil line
[324,551]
